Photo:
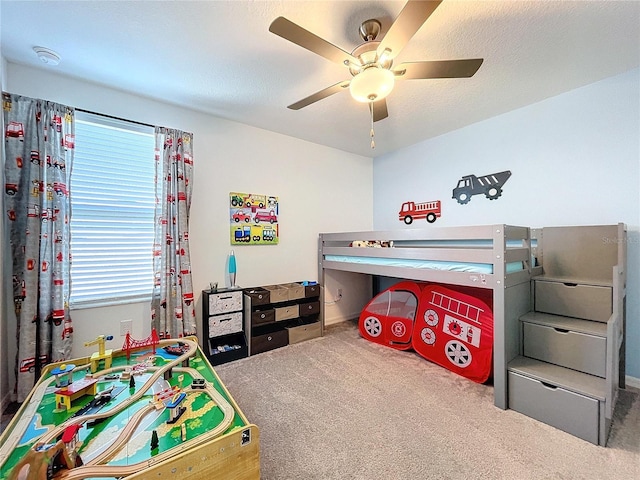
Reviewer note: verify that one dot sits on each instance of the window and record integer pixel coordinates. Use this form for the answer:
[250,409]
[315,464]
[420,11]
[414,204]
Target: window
[112,212]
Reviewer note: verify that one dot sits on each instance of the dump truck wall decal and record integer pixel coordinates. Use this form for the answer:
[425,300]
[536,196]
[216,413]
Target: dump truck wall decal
[490,185]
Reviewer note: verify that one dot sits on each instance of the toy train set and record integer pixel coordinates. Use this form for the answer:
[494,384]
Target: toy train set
[131,413]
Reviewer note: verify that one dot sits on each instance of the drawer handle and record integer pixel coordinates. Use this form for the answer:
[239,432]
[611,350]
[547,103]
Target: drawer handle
[225,319]
[225,298]
[570,284]
[262,315]
[269,338]
[560,330]
[549,386]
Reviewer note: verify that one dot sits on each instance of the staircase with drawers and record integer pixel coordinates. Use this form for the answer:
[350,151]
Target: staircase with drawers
[572,349]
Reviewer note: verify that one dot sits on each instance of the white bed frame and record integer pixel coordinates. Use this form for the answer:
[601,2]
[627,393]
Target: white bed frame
[511,291]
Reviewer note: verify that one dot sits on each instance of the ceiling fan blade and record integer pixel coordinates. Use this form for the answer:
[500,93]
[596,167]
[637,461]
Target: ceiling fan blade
[380,111]
[408,22]
[438,69]
[324,93]
[298,35]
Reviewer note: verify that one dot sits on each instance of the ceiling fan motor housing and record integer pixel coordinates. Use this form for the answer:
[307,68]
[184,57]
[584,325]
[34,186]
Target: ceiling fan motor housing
[366,53]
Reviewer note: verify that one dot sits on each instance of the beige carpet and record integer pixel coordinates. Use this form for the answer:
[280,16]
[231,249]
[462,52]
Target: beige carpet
[340,407]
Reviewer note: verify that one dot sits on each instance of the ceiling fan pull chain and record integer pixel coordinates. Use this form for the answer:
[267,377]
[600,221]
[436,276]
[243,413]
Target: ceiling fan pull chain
[373,142]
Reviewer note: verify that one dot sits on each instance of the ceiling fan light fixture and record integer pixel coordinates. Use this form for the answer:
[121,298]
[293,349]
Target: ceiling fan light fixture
[372,84]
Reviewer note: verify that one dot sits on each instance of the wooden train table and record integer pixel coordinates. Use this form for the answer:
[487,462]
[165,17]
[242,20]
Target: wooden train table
[161,412]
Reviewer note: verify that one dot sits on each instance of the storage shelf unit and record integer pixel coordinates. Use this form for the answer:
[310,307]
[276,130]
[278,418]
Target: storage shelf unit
[223,326]
[278,315]
[572,343]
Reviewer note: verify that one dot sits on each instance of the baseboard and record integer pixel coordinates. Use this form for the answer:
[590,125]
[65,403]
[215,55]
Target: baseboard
[5,402]
[335,320]
[632,381]
[341,318]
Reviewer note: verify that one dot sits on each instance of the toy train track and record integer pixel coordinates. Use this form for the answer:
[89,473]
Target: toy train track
[95,467]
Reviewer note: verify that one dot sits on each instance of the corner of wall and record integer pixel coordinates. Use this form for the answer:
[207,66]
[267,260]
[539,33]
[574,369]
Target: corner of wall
[4,308]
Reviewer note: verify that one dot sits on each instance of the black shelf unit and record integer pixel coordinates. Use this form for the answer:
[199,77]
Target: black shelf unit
[223,325]
[277,315]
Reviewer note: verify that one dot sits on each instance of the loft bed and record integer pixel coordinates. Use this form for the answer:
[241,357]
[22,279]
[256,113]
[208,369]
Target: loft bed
[495,257]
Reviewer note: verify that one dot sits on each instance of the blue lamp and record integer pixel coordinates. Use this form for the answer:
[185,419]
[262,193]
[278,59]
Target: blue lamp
[232,269]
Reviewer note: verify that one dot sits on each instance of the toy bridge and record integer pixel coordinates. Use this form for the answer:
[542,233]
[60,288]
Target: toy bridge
[133,344]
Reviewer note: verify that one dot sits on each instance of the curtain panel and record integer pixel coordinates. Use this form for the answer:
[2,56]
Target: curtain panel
[39,145]
[172,305]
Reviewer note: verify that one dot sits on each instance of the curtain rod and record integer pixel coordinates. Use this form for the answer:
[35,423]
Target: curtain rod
[115,118]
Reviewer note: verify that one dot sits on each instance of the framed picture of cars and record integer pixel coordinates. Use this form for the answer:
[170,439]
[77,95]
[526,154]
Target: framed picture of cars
[253,218]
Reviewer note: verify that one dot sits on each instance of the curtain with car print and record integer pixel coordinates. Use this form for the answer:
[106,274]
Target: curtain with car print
[172,306]
[39,146]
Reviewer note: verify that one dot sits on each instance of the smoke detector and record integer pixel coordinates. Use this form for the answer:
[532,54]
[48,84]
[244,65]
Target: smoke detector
[47,56]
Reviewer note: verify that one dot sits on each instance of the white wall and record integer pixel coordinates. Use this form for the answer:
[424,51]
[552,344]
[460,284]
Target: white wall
[574,158]
[315,185]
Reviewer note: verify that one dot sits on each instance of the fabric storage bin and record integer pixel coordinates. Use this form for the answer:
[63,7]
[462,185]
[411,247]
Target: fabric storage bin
[259,296]
[263,316]
[222,302]
[286,313]
[311,291]
[578,351]
[225,324]
[269,341]
[278,293]
[294,290]
[310,308]
[589,302]
[227,349]
[304,332]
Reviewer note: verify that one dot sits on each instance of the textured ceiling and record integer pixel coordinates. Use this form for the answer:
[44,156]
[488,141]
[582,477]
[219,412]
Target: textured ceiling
[219,57]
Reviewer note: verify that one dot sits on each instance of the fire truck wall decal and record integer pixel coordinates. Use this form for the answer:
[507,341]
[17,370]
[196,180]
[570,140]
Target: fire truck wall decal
[410,211]
[490,185]
[253,219]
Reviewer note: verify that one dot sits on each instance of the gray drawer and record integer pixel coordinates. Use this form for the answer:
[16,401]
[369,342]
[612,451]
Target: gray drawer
[581,301]
[568,411]
[579,351]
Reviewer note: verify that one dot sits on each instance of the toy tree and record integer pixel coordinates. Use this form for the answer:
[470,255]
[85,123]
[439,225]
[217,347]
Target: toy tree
[132,382]
[154,440]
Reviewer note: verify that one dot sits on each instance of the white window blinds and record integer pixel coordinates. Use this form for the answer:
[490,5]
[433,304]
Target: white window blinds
[112,216]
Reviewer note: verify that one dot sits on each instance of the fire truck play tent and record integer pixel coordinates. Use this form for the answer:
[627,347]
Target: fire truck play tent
[446,326]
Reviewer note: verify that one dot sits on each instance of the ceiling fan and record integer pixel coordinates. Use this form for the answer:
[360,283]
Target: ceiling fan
[371,63]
